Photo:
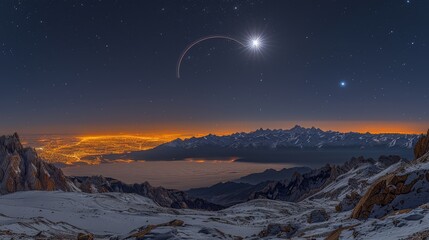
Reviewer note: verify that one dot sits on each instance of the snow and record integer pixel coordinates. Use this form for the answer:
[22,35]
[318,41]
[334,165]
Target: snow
[25,214]
[65,214]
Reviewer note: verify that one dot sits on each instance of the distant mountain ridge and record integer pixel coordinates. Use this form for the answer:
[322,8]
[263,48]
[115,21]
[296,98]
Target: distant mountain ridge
[272,175]
[266,145]
[297,137]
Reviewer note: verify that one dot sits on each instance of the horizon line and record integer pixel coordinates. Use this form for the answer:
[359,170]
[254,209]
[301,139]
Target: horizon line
[180,134]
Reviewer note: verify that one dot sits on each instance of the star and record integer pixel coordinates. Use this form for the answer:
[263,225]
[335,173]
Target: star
[256,43]
[343,84]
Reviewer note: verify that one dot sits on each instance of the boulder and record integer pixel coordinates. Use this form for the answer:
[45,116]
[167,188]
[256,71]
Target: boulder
[318,215]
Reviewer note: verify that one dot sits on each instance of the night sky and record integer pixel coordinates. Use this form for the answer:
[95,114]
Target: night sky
[110,66]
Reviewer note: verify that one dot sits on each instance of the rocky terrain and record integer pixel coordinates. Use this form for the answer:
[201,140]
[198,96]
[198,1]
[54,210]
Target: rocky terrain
[387,198]
[21,169]
[405,188]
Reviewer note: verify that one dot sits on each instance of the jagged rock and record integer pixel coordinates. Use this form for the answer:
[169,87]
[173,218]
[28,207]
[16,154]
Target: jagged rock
[278,230]
[164,197]
[422,146]
[318,215]
[85,236]
[396,191]
[21,169]
[349,202]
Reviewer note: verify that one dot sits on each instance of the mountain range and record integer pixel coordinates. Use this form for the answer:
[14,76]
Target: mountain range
[298,144]
[363,198]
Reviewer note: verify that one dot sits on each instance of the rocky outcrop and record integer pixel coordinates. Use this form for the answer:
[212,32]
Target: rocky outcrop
[422,146]
[164,197]
[381,194]
[21,169]
[406,188]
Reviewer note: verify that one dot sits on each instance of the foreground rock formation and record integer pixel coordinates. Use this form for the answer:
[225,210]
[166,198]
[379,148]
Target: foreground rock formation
[21,169]
[405,188]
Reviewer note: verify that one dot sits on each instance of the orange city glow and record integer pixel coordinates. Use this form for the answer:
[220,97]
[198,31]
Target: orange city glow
[72,149]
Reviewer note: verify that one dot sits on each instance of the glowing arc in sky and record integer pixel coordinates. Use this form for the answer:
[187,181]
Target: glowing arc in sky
[179,62]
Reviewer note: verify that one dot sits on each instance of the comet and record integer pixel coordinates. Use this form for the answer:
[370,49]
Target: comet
[255,44]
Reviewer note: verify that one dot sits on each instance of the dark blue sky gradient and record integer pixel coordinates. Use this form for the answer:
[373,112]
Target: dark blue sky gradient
[72,66]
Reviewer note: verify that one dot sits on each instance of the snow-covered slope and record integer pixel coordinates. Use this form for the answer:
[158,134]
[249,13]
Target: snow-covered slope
[62,215]
[118,214]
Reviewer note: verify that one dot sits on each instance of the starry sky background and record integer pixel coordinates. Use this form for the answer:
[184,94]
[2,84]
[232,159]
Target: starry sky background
[107,66]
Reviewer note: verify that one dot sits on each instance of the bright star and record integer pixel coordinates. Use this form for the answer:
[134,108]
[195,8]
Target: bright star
[256,43]
[342,83]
